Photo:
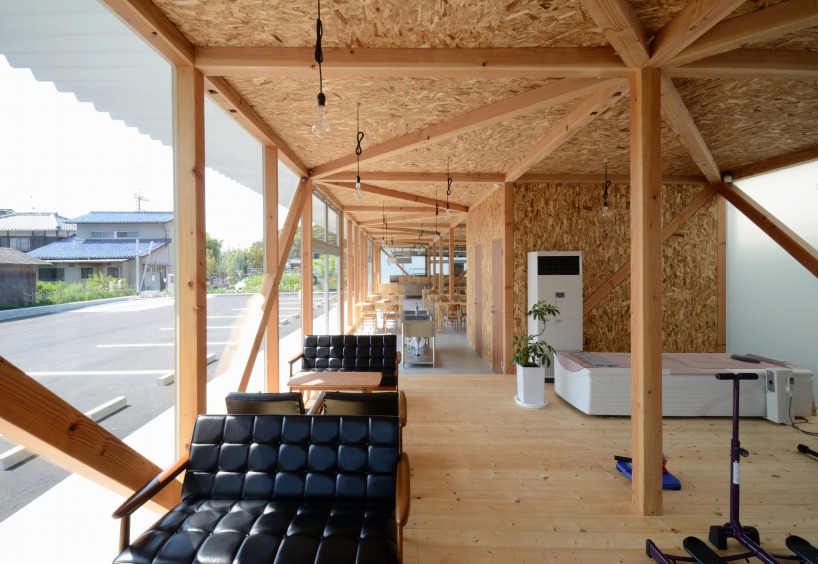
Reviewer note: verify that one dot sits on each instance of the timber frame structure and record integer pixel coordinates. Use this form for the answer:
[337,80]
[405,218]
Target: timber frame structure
[507,94]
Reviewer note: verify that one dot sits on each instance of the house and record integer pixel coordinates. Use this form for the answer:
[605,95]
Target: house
[26,231]
[18,277]
[132,246]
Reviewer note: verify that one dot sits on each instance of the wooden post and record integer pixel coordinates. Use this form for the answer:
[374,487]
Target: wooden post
[508,275]
[306,267]
[270,196]
[451,263]
[721,274]
[189,250]
[646,291]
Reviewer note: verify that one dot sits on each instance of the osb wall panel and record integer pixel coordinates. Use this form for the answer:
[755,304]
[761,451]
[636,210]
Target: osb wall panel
[485,224]
[568,217]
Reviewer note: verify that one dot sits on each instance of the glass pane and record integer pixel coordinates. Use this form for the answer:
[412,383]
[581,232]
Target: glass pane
[319,219]
[332,226]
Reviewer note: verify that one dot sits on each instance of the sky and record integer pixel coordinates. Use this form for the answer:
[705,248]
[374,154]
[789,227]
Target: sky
[60,155]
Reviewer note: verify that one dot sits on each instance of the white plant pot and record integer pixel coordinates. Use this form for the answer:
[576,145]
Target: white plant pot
[530,387]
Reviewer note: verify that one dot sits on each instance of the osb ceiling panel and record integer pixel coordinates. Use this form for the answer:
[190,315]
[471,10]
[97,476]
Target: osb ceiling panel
[384,23]
[490,149]
[608,136]
[806,40]
[744,122]
[389,108]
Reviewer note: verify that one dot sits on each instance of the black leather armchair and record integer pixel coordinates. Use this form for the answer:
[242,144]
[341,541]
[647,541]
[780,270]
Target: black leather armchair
[284,489]
[351,353]
[258,403]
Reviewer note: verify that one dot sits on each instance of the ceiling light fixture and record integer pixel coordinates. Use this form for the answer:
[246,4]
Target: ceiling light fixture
[448,190]
[358,193]
[437,213]
[320,126]
[385,225]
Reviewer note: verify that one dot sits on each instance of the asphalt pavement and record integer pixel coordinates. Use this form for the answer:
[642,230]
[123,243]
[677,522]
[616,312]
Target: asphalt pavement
[91,355]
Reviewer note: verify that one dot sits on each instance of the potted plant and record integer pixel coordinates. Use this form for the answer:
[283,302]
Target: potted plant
[529,352]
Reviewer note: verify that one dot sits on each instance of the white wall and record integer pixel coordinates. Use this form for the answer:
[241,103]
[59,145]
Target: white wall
[772,301]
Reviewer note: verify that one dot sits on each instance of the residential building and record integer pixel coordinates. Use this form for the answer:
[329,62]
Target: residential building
[132,246]
[18,277]
[26,231]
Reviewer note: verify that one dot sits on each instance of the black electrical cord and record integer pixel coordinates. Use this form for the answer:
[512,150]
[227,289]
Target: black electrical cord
[803,419]
[319,54]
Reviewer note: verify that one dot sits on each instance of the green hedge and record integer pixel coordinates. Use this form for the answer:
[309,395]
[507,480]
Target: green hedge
[96,288]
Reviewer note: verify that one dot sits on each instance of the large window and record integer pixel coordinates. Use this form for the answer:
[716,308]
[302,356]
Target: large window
[49,274]
[20,243]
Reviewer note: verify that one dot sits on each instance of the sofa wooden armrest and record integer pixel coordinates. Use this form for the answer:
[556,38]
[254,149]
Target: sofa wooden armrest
[404,500]
[139,498]
[293,361]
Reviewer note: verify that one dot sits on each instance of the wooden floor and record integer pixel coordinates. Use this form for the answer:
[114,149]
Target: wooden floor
[494,482]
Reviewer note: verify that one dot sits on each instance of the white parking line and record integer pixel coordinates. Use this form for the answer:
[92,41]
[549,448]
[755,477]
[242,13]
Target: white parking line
[146,345]
[209,327]
[97,372]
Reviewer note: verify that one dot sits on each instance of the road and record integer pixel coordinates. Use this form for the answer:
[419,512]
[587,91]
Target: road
[90,356]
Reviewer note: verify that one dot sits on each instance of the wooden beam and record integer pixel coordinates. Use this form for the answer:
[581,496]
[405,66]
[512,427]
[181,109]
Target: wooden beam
[402,209]
[299,62]
[306,266]
[451,264]
[787,239]
[777,20]
[389,254]
[507,324]
[190,252]
[269,288]
[777,163]
[225,96]
[646,291]
[148,22]
[566,128]
[668,230]
[687,26]
[35,417]
[408,218]
[676,114]
[417,177]
[461,276]
[621,28]
[751,64]
[536,178]
[270,199]
[349,259]
[398,195]
[553,93]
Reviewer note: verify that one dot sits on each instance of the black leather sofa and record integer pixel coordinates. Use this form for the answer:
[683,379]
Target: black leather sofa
[281,488]
[359,353]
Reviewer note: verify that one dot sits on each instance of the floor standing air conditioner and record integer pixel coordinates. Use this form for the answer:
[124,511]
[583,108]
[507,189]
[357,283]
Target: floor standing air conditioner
[556,277]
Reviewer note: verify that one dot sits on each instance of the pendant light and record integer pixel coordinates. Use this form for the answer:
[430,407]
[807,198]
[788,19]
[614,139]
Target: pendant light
[360,137]
[320,125]
[605,209]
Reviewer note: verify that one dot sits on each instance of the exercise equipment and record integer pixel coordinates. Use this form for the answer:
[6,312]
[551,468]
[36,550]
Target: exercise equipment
[808,451]
[669,482]
[745,535]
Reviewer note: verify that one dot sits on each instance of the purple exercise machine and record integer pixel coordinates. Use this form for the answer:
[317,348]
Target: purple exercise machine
[747,536]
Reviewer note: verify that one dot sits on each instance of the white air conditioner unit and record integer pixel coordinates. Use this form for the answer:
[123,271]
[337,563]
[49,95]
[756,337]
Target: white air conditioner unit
[556,277]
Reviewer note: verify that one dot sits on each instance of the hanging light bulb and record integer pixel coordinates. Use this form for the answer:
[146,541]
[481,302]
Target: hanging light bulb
[320,125]
[437,212]
[358,193]
[605,209]
[448,190]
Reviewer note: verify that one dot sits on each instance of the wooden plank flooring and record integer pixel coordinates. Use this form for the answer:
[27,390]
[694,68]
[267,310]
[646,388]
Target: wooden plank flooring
[494,482]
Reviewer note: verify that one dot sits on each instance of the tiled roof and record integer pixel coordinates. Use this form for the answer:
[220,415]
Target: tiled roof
[124,217]
[76,249]
[13,256]
[34,221]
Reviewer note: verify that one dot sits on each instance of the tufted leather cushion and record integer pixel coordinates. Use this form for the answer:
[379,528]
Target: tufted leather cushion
[272,488]
[358,353]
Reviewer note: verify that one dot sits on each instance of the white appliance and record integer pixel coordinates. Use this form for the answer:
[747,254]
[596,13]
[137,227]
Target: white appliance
[780,389]
[556,277]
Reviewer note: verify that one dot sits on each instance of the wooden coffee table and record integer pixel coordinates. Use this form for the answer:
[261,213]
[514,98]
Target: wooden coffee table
[335,381]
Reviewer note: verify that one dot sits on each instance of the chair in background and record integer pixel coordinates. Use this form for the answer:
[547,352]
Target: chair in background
[246,403]
[453,315]
[391,318]
[369,318]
